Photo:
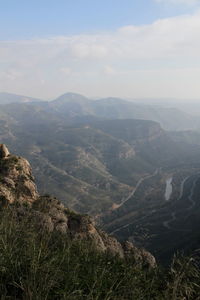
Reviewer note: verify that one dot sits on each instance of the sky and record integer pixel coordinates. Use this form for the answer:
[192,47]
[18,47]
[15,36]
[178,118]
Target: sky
[100,48]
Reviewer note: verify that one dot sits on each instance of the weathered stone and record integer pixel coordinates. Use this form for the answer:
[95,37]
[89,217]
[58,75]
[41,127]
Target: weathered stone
[16,181]
[140,255]
[17,185]
[3,151]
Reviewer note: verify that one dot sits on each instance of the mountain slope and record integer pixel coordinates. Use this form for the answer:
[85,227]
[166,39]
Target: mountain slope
[93,165]
[75,106]
[17,187]
[6,98]
[49,252]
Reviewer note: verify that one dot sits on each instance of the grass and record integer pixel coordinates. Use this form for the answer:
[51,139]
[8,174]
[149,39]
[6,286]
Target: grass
[36,265]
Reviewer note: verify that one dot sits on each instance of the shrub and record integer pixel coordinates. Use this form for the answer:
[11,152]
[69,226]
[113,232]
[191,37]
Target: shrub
[49,266]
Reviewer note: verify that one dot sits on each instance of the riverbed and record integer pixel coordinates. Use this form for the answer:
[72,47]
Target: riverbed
[168,189]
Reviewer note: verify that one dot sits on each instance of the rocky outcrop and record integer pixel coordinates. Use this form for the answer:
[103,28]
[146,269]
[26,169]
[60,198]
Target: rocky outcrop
[3,151]
[52,215]
[16,180]
[49,214]
[139,254]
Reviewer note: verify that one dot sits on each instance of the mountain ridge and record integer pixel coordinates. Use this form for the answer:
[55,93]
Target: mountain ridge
[6,98]
[17,186]
[73,106]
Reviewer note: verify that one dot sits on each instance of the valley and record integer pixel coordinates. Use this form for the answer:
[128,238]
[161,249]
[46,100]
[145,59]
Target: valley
[100,150]
[139,181]
[164,227]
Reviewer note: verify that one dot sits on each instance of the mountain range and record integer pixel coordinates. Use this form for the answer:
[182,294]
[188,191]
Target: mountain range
[93,164]
[77,108]
[111,158]
[6,98]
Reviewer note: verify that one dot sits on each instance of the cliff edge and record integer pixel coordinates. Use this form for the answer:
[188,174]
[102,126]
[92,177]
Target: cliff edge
[17,186]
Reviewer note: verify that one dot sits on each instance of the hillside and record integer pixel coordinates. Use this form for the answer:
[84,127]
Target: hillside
[116,170]
[164,225]
[17,187]
[90,166]
[6,98]
[49,252]
[21,201]
[74,108]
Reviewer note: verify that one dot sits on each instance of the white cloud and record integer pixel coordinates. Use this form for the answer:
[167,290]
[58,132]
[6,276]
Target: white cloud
[187,2]
[109,70]
[88,49]
[66,71]
[50,66]
[10,74]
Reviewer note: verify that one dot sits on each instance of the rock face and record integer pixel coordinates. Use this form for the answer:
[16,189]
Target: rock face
[3,151]
[139,254]
[16,180]
[17,185]
[52,215]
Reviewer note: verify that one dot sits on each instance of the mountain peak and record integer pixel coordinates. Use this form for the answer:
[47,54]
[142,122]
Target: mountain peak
[68,97]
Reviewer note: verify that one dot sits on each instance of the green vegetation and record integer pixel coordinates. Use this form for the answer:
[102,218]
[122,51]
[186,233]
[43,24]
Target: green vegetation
[94,164]
[36,265]
[88,162]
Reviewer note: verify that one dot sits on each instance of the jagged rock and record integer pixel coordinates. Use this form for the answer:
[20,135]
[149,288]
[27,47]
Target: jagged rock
[54,212]
[82,227]
[16,180]
[17,185]
[42,221]
[112,245]
[3,151]
[139,254]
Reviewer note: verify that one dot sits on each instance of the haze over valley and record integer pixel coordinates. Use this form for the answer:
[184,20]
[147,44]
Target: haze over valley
[134,167]
[100,150]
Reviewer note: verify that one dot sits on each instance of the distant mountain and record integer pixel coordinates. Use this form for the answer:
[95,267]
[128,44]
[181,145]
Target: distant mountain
[169,118]
[6,98]
[90,165]
[83,155]
[78,163]
[71,97]
[98,158]
[72,105]
[75,107]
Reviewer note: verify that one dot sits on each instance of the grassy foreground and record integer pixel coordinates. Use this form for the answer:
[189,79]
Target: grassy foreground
[35,265]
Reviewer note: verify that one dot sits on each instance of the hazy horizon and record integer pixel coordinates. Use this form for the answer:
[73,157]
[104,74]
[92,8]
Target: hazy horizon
[155,100]
[149,49]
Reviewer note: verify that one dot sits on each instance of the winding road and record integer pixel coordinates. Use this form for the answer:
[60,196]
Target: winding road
[190,198]
[132,194]
[167,224]
[137,186]
[173,217]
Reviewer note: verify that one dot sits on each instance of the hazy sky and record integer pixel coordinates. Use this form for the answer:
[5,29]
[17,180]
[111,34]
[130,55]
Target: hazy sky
[130,48]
